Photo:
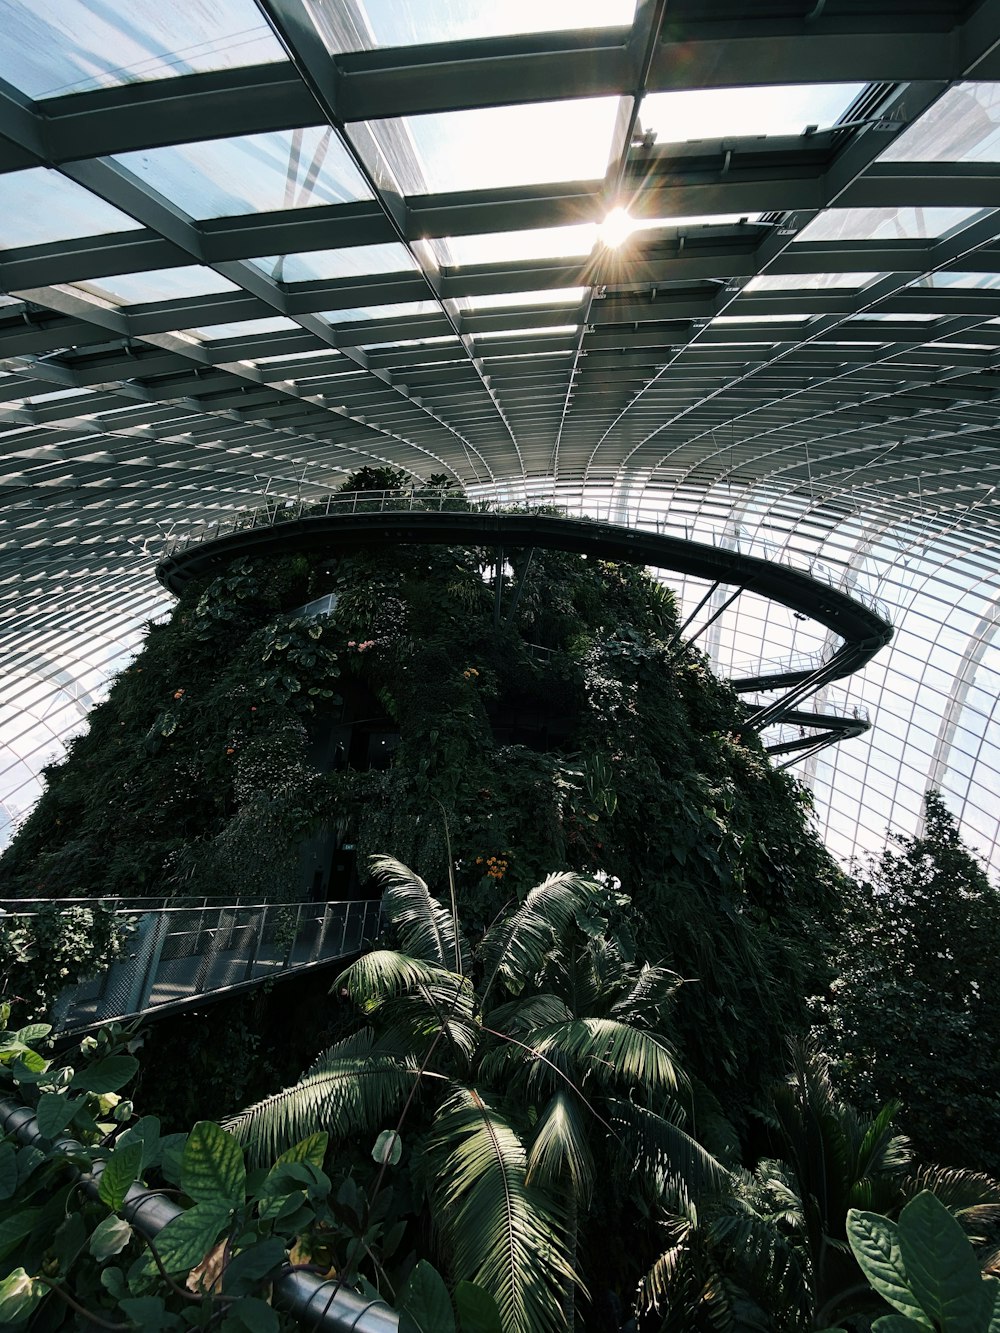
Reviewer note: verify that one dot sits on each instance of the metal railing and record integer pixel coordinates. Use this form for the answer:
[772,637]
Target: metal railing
[174,956]
[422,499]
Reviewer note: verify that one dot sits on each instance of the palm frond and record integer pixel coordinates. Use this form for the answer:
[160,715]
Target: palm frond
[649,992]
[608,1053]
[559,1149]
[499,1231]
[525,1016]
[426,929]
[514,949]
[655,1145]
[973,1199]
[661,1283]
[384,973]
[436,1008]
[353,1086]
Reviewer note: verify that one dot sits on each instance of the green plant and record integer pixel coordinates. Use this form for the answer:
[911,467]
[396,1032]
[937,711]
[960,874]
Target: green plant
[925,1269]
[534,1065]
[52,946]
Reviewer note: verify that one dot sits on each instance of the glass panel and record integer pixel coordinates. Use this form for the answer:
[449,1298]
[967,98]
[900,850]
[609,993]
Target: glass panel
[402,309]
[244,328]
[511,145]
[52,47]
[504,247]
[392,23]
[699,220]
[900,319]
[721,113]
[869,224]
[165,284]
[961,126]
[528,333]
[256,173]
[40,206]
[554,296]
[416,342]
[353,261]
[783,282]
[760,319]
[953,278]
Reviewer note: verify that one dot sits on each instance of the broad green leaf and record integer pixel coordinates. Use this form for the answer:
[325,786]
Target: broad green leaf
[8,1170]
[28,1063]
[14,1229]
[212,1168]
[54,1112]
[146,1132]
[424,1304]
[310,1149]
[185,1240]
[248,1267]
[993,1286]
[252,1314]
[388,1148]
[107,1075]
[477,1310]
[19,1294]
[171,1156]
[875,1245]
[941,1266]
[119,1174]
[33,1032]
[897,1323]
[150,1314]
[109,1238]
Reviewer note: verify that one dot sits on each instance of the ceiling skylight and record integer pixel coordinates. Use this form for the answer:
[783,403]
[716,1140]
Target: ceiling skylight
[391,23]
[404,309]
[504,247]
[244,328]
[501,300]
[723,113]
[783,282]
[163,284]
[40,205]
[492,147]
[256,173]
[52,47]
[962,126]
[870,224]
[353,261]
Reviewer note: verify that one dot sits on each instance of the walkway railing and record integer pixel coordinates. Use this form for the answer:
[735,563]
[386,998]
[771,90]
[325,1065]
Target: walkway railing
[174,956]
[423,499]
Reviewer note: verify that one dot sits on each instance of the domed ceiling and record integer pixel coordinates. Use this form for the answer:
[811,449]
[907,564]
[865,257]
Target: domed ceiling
[722,270]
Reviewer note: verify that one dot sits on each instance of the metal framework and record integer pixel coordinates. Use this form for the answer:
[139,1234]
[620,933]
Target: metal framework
[221,279]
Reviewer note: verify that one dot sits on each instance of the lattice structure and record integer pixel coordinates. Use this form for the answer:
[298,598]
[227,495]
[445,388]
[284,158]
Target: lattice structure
[246,248]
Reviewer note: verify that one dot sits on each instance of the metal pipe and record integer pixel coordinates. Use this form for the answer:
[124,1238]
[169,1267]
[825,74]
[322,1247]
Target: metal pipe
[324,1304]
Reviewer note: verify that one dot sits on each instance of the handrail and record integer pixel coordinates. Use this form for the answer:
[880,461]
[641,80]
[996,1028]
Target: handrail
[174,957]
[316,1302]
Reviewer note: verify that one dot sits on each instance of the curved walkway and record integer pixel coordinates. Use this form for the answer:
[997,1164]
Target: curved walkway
[378,518]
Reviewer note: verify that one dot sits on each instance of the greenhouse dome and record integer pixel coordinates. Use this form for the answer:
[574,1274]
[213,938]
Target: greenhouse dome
[725,275]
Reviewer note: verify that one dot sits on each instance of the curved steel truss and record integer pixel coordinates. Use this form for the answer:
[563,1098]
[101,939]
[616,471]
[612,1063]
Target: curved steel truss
[258,244]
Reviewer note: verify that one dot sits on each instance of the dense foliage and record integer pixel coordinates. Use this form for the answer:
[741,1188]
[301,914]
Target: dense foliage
[578,735]
[916,994]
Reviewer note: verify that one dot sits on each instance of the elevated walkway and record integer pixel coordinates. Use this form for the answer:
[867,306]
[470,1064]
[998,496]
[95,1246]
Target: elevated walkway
[176,956]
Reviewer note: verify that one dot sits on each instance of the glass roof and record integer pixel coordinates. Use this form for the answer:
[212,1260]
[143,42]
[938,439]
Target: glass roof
[353,261]
[511,155]
[491,147]
[721,113]
[52,47]
[962,126]
[40,205]
[256,173]
[163,284]
[392,23]
[870,224]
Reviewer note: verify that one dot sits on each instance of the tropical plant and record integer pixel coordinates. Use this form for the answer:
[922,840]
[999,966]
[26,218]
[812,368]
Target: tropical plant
[48,947]
[84,1253]
[925,1269]
[535,1066]
[775,1250]
[914,994]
